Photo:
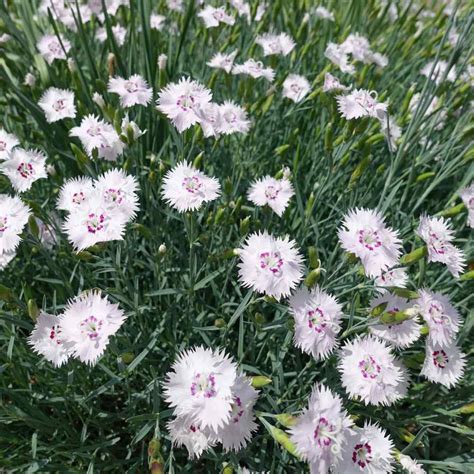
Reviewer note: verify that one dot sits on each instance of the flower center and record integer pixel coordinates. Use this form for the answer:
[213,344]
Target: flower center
[131,87]
[79,197]
[25,170]
[295,88]
[192,184]
[91,326]
[218,15]
[369,239]
[437,315]
[362,454]
[94,130]
[54,47]
[95,222]
[54,334]
[437,244]
[440,359]
[114,195]
[185,102]
[230,117]
[369,368]
[59,105]
[323,433]
[237,410]
[271,261]
[3,224]
[271,192]
[204,385]
[316,319]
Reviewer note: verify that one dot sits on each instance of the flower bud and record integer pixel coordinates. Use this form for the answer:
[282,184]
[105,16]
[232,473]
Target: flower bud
[71,65]
[219,323]
[98,99]
[452,211]
[404,293]
[286,419]
[312,278]
[162,249]
[33,225]
[162,60]
[127,357]
[33,310]
[111,63]
[414,256]
[284,440]
[259,381]
[244,226]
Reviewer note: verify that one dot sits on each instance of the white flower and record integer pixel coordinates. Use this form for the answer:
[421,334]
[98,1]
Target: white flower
[332,83]
[323,13]
[132,91]
[185,188]
[14,215]
[396,277]
[275,193]
[213,16]
[270,265]
[179,101]
[118,192]
[200,386]
[50,47]
[157,21]
[440,315]
[402,334]
[8,141]
[24,167]
[57,104]
[443,364]
[233,119]
[175,5]
[440,69]
[275,44]
[410,465]
[46,339]
[210,119]
[118,31]
[365,234]
[74,193]
[29,80]
[111,6]
[361,103]
[186,432]
[379,59]
[369,449]
[296,87]
[87,324]
[467,196]
[317,321]
[95,134]
[223,61]
[320,433]
[436,233]
[338,56]
[237,432]
[94,221]
[358,46]
[371,372]
[254,69]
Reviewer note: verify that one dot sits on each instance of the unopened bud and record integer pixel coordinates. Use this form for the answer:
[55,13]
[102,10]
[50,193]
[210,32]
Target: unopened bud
[30,80]
[162,60]
[244,226]
[162,249]
[259,381]
[286,419]
[219,323]
[312,278]
[98,99]
[414,256]
[51,170]
[71,64]
[33,310]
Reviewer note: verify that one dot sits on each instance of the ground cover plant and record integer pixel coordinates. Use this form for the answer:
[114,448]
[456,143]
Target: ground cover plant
[236,236]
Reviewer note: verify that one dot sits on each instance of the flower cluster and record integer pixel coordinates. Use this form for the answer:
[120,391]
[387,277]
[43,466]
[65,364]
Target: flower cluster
[212,402]
[82,331]
[99,210]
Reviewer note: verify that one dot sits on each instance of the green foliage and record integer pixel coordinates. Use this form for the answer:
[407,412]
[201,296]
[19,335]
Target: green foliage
[102,419]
